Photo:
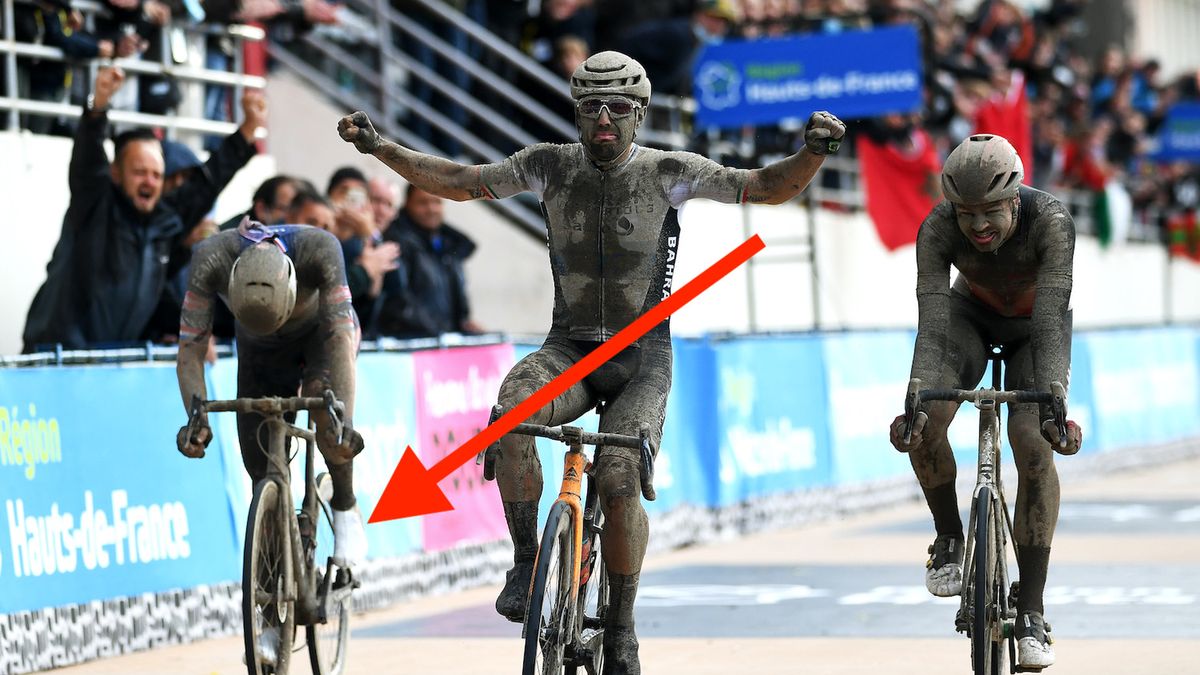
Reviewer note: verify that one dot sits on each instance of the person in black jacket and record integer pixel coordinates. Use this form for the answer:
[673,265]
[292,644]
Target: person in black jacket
[121,237]
[432,296]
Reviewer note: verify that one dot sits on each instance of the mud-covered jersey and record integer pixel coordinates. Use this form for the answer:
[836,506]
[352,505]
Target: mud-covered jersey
[321,291]
[1029,275]
[613,234]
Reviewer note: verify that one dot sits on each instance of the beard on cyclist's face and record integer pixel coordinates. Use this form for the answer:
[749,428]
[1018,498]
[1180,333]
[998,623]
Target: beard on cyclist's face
[987,226]
[604,137]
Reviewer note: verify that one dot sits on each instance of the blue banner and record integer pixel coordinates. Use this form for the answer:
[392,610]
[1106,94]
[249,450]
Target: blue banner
[1144,386]
[97,501]
[774,433]
[851,74]
[1179,137]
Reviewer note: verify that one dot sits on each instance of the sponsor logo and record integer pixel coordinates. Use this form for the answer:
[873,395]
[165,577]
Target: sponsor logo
[29,441]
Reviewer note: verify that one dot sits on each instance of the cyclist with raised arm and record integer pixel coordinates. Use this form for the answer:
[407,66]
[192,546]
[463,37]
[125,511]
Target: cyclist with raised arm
[1013,247]
[296,330]
[611,208]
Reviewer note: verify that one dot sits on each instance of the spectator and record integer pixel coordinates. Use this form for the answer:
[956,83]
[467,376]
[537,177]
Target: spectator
[385,201]
[121,236]
[432,295]
[368,258]
[667,48]
[270,203]
[54,23]
[311,208]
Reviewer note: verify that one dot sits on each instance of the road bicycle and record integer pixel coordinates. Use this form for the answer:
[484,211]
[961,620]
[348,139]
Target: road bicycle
[289,576]
[568,595]
[987,612]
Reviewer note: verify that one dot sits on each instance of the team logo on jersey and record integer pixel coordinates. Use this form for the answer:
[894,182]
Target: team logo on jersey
[624,226]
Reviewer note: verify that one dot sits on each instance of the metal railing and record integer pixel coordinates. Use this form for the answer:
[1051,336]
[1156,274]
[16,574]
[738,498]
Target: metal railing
[12,102]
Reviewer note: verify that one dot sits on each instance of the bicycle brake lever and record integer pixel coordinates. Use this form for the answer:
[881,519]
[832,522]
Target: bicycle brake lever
[1059,406]
[488,456]
[910,408]
[194,411]
[647,472]
[335,420]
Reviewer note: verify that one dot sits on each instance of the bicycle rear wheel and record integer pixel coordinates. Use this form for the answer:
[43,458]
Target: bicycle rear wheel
[987,652]
[550,615]
[328,643]
[268,616]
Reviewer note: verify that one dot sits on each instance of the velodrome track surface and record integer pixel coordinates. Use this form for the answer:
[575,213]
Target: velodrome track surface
[839,597]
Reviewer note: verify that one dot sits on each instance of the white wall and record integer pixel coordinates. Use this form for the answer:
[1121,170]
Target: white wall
[1167,30]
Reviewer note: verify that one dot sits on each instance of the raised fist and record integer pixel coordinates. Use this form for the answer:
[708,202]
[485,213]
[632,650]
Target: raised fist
[823,133]
[357,129]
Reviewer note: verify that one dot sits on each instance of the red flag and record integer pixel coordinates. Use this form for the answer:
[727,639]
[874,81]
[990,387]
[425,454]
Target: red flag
[1006,114]
[897,186]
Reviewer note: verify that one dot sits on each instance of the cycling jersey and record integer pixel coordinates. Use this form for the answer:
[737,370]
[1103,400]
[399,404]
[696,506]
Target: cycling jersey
[613,234]
[1028,276]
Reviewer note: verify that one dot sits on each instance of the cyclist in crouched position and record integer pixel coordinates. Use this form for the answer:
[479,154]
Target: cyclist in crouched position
[1013,247]
[296,329]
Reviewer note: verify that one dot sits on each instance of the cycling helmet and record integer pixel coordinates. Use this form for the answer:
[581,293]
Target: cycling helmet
[611,73]
[262,288]
[984,168]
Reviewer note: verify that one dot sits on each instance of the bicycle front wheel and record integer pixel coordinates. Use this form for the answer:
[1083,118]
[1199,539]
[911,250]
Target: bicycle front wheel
[593,605]
[987,652]
[328,642]
[268,619]
[550,614]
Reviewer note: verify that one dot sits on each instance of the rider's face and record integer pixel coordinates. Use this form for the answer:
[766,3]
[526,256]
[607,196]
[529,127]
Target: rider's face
[607,134]
[987,226]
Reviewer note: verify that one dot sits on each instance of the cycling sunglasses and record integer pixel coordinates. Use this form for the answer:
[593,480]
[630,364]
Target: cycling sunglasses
[617,107]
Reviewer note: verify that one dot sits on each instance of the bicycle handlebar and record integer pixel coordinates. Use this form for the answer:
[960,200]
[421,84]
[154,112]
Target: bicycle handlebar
[566,434]
[273,405]
[1056,399]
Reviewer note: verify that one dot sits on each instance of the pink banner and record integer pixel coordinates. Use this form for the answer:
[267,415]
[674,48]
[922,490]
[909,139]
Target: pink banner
[456,389]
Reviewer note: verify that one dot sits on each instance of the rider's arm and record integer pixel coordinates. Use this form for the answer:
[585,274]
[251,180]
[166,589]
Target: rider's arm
[195,321]
[777,183]
[320,263]
[1050,325]
[430,173]
[934,253]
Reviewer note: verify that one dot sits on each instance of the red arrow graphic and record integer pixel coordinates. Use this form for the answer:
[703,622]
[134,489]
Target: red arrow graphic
[412,489]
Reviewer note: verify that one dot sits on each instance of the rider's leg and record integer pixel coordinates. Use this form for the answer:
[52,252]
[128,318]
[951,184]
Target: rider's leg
[324,369]
[963,363]
[618,477]
[1036,512]
[518,469]
[262,371]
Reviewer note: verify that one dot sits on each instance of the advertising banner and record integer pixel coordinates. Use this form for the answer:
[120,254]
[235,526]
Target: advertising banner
[867,378]
[97,503]
[1144,386]
[774,433]
[455,391]
[1179,136]
[851,74]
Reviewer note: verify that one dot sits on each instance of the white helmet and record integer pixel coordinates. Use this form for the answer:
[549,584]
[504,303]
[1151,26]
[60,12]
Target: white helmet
[984,168]
[262,288]
[611,73]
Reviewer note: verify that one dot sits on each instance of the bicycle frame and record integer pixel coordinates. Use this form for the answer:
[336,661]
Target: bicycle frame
[311,606]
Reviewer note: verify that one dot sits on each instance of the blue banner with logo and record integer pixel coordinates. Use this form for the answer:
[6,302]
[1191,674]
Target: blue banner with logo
[97,502]
[773,435]
[1179,136]
[851,74]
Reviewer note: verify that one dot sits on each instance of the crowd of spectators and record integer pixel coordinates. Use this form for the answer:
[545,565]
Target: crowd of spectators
[1091,119]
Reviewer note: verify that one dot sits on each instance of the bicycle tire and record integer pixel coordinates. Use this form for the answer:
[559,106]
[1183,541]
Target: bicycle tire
[986,653]
[593,605]
[329,642]
[267,579]
[549,617]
